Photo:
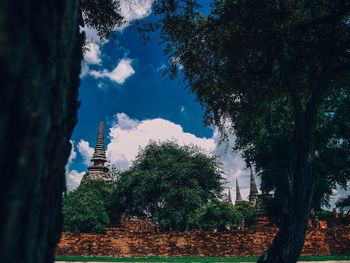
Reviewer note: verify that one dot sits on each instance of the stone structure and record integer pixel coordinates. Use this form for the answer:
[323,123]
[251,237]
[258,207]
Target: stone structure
[253,194]
[98,170]
[137,224]
[121,243]
[238,192]
[229,197]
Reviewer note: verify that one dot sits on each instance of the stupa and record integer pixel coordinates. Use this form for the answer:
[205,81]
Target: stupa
[98,170]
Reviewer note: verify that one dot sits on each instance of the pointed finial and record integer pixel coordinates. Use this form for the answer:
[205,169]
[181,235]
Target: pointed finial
[253,188]
[238,192]
[99,156]
[229,197]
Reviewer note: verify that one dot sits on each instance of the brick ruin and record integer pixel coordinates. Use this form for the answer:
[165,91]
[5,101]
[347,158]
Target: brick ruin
[139,237]
[118,242]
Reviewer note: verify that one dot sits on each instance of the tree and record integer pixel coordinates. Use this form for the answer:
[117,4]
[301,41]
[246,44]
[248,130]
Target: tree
[343,204]
[168,182]
[216,215]
[246,209]
[87,209]
[102,15]
[40,61]
[273,69]
[40,66]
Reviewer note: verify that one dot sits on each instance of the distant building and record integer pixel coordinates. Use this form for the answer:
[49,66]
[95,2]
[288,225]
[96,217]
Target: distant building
[238,193]
[98,170]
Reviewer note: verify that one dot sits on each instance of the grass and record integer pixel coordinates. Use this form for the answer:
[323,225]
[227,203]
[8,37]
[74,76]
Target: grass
[193,259]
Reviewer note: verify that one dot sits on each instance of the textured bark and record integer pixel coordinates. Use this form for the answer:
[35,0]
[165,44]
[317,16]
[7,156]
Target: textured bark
[40,54]
[289,241]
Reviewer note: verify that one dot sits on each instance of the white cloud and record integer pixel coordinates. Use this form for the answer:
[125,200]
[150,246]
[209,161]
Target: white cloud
[73,179]
[130,10]
[91,34]
[73,153]
[93,53]
[135,9]
[84,70]
[123,71]
[86,151]
[128,135]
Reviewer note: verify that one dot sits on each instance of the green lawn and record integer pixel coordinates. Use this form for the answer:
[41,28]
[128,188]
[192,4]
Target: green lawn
[192,259]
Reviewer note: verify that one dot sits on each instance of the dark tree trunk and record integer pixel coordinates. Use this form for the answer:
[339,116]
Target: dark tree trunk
[40,54]
[289,241]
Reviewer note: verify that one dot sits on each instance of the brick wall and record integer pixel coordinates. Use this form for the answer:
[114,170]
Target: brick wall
[120,243]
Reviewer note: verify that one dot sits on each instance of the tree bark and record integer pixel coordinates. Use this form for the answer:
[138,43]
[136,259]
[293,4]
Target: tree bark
[40,58]
[289,241]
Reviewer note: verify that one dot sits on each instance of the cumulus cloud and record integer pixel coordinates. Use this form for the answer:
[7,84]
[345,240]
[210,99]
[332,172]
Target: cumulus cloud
[93,53]
[73,179]
[128,135]
[86,151]
[135,9]
[130,10]
[123,71]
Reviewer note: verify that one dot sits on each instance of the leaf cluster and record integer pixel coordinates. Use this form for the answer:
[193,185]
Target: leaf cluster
[278,71]
[102,15]
[168,182]
[87,209]
[216,215]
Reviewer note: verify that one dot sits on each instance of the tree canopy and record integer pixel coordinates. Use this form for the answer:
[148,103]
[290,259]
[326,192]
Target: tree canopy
[168,182]
[87,209]
[216,215]
[344,205]
[278,72]
[102,15]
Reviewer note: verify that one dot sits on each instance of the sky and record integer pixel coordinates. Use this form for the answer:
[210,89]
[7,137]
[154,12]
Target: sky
[123,85]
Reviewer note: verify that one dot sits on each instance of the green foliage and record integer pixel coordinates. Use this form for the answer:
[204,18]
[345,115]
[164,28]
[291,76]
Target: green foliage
[216,215]
[87,208]
[102,15]
[246,209]
[168,182]
[280,74]
[344,205]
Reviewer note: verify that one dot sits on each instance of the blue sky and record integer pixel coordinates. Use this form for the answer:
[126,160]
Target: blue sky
[122,84]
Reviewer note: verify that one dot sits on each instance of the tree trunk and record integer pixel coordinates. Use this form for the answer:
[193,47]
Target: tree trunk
[40,58]
[289,241]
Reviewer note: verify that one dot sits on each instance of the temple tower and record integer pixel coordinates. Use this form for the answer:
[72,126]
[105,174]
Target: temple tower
[229,198]
[253,194]
[98,170]
[238,192]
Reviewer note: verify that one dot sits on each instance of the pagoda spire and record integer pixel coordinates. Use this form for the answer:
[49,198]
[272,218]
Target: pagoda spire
[238,192]
[98,170]
[253,189]
[99,156]
[229,197]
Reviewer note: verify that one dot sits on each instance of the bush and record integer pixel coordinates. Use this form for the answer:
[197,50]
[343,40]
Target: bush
[87,208]
[216,215]
[167,183]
